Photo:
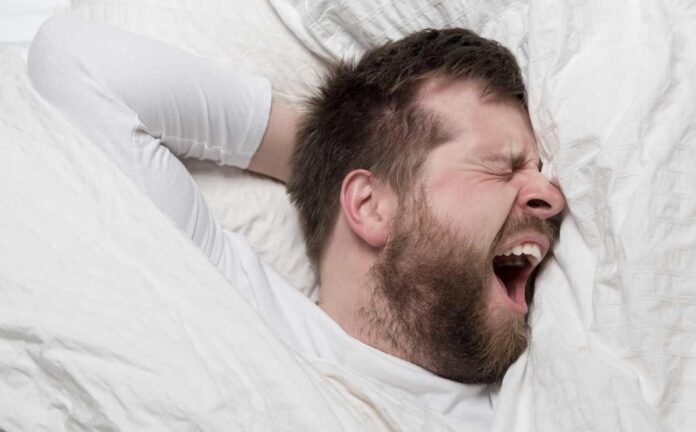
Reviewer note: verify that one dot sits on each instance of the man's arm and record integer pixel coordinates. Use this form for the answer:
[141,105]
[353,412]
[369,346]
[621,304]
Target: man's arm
[195,108]
[273,155]
[142,101]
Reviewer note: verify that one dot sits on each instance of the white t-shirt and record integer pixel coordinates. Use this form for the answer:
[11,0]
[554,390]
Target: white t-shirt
[145,103]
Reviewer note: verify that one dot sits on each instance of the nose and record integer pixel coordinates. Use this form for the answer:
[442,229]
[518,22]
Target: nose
[540,197]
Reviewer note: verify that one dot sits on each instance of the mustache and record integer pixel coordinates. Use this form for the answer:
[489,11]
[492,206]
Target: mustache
[527,222]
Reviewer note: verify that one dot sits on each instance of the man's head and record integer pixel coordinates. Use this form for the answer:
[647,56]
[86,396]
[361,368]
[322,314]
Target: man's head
[414,169]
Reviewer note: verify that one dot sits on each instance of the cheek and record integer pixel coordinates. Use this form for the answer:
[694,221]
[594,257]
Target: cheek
[496,205]
[479,211]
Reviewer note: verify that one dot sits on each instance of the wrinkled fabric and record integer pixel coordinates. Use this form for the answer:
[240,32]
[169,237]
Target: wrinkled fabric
[611,96]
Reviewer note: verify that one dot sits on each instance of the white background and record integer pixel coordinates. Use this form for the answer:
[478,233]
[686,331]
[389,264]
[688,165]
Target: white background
[19,19]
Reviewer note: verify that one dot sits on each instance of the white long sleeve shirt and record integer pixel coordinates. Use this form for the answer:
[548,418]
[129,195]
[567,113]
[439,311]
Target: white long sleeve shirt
[145,104]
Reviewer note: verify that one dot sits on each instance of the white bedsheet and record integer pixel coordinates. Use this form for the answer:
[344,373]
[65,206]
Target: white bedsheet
[614,324]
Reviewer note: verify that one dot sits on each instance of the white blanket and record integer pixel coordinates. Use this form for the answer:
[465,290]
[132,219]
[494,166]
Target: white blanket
[614,323]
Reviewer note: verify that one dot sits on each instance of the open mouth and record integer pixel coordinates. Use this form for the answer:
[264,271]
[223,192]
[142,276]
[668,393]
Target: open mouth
[513,267]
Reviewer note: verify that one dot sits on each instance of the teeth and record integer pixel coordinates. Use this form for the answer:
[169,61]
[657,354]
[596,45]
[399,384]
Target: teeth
[531,250]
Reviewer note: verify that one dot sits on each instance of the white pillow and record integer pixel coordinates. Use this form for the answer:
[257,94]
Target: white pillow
[339,29]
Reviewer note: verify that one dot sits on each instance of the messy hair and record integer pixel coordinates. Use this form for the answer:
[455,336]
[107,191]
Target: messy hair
[365,116]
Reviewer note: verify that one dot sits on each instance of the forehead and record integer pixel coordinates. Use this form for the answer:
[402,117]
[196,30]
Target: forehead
[490,127]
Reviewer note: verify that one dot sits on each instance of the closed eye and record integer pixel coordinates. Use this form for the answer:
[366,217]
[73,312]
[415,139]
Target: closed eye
[506,175]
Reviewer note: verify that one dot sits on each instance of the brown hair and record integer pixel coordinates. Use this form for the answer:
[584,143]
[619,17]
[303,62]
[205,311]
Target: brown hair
[364,117]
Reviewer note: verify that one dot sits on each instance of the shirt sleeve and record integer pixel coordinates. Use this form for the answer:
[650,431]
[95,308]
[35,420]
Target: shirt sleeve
[194,107]
[143,102]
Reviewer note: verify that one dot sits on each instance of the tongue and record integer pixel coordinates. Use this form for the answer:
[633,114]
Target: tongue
[509,276]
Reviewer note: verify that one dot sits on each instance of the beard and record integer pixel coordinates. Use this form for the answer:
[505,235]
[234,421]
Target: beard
[433,285]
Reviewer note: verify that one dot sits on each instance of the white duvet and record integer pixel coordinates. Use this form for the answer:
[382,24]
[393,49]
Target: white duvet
[111,320]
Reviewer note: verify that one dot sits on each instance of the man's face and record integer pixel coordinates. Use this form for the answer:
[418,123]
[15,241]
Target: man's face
[462,248]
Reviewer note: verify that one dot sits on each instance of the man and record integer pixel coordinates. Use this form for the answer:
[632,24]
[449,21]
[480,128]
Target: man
[415,173]
[417,170]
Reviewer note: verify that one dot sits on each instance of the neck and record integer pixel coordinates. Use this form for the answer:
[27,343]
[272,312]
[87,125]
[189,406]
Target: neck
[348,293]
[348,296]
[344,294]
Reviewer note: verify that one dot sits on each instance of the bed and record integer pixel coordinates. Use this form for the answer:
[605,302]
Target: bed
[110,319]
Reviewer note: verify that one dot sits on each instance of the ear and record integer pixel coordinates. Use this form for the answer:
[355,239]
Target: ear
[368,206]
